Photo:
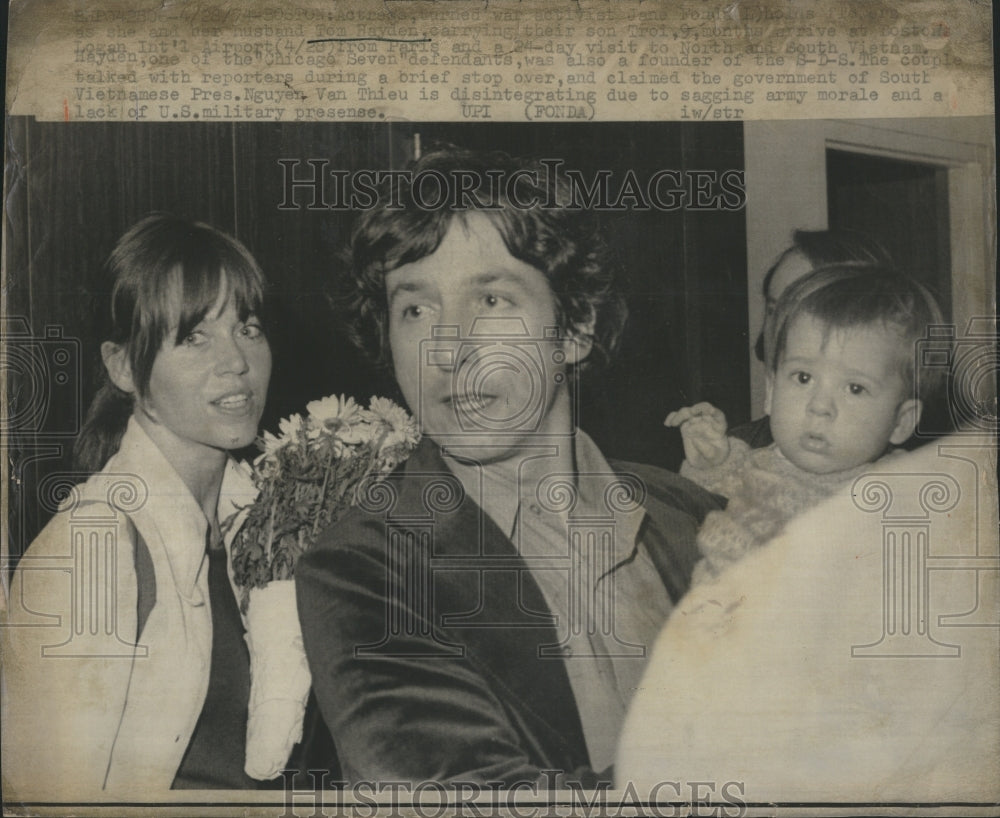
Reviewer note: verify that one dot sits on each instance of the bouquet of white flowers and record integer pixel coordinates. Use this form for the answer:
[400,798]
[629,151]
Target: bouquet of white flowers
[307,477]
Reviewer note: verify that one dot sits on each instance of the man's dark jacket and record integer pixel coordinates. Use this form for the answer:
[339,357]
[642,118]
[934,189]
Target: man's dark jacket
[423,627]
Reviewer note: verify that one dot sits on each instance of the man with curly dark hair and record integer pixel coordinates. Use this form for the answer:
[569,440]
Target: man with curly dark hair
[484,615]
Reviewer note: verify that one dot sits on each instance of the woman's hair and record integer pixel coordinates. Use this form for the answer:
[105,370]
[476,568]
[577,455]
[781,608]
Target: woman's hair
[852,296]
[529,205]
[164,276]
[823,247]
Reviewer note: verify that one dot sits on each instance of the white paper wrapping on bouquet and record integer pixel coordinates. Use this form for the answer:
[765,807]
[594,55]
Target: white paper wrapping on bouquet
[279,679]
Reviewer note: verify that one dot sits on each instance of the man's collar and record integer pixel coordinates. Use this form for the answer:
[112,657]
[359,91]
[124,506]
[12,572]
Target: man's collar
[595,489]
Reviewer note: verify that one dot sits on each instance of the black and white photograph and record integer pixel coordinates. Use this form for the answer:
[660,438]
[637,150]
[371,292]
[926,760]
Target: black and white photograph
[419,466]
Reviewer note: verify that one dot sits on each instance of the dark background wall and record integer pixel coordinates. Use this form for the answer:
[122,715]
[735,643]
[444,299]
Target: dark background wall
[901,204]
[74,188]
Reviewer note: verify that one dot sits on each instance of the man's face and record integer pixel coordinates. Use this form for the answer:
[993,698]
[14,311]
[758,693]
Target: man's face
[837,398]
[475,345]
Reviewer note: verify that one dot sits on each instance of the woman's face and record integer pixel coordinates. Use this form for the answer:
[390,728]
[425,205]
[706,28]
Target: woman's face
[208,391]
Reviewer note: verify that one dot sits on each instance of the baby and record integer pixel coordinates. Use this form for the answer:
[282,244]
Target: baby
[841,392]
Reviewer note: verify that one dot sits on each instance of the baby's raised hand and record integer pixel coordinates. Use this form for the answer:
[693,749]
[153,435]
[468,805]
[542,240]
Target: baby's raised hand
[703,429]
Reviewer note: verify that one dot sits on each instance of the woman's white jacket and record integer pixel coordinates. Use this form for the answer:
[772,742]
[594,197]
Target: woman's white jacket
[86,710]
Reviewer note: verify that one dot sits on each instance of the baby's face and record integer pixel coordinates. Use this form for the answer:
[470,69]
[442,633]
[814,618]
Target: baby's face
[838,399]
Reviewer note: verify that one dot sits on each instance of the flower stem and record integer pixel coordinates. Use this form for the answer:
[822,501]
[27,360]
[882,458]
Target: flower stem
[270,529]
[322,495]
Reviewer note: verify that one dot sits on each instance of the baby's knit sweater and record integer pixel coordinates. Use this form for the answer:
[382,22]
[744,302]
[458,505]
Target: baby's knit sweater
[765,491]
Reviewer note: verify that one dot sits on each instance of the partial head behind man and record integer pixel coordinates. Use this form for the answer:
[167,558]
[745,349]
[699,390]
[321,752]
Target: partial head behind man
[809,250]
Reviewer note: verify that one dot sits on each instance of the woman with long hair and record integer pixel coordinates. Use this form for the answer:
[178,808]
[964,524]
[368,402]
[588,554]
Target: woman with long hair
[141,682]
